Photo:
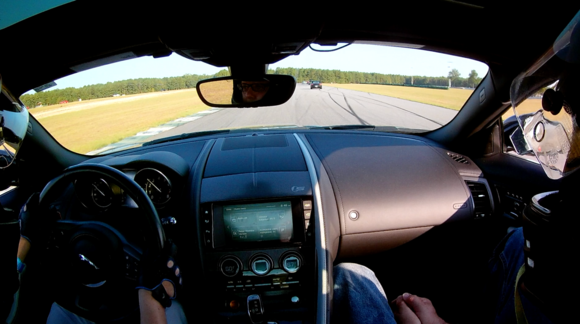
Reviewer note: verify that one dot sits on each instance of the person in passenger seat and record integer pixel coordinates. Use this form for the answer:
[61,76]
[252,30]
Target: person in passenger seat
[533,279]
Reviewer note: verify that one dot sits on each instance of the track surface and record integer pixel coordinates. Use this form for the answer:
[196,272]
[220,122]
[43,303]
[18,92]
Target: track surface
[326,107]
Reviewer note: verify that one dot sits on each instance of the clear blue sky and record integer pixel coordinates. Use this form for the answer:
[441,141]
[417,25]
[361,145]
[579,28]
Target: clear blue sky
[363,58]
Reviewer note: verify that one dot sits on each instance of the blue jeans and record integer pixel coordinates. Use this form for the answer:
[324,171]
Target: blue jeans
[359,296]
[504,265]
[173,314]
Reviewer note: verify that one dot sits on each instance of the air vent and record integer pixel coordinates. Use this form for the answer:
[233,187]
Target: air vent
[481,199]
[458,158]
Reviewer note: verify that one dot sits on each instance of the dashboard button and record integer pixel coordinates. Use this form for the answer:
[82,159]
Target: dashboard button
[234,304]
[353,215]
[307,204]
[207,235]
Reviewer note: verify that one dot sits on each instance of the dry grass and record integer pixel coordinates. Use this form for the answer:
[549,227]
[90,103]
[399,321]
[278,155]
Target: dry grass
[452,98]
[72,104]
[218,92]
[533,105]
[528,106]
[113,119]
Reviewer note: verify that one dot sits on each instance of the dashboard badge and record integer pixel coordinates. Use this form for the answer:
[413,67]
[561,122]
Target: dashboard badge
[459,206]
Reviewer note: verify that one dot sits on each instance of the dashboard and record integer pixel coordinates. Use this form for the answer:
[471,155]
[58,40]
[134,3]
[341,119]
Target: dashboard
[260,217]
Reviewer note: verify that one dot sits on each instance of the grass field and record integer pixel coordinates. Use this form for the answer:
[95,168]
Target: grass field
[533,105]
[85,126]
[528,106]
[218,92]
[452,98]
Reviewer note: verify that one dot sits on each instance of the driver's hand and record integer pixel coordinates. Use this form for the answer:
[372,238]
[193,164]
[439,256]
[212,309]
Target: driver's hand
[34,223]
[160,275]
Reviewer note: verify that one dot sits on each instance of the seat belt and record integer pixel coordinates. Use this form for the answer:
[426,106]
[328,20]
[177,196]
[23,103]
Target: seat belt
[520,313]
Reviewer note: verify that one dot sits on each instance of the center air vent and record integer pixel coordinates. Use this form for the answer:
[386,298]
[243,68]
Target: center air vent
[458,158]
[481,199]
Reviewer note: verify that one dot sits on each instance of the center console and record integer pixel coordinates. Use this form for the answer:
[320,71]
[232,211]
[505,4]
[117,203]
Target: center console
[259,258]
[255,227]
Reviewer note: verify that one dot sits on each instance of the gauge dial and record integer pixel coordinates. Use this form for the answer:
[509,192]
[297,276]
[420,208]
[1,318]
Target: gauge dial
[101,193]
[156,185]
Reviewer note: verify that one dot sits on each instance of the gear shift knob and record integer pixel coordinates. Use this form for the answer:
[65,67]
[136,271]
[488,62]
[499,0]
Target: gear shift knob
[255,309]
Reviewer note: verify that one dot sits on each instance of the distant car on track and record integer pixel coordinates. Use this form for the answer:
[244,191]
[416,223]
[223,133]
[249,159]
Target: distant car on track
[315,85]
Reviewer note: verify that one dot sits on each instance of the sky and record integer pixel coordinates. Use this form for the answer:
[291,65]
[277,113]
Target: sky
[356,57]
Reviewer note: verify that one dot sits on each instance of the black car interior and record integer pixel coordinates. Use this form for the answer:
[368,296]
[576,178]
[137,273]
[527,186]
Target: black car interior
[424,212]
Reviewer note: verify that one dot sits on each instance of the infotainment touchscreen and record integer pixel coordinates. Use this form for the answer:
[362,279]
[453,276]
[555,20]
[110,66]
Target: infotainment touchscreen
[270,221]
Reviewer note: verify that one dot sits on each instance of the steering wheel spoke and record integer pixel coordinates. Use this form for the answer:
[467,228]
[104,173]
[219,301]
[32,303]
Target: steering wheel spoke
[59,235]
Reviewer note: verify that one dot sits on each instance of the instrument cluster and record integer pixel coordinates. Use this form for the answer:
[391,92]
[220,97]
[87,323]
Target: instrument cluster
[99,194]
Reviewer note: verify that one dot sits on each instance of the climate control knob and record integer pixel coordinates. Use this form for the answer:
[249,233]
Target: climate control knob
[261,265]
[230,266]
[291,262]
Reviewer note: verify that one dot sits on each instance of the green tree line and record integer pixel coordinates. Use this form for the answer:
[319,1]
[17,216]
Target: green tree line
[109,89]
[337,76]
[189,81]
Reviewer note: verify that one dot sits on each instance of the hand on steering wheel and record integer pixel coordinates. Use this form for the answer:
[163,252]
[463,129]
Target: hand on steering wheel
[161,275]
[34,221]
[97,266]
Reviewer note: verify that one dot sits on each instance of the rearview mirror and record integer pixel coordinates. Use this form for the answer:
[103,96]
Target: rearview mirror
[267,90]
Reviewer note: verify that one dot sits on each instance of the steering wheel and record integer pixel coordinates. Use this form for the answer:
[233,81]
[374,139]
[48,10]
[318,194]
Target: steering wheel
[97,266]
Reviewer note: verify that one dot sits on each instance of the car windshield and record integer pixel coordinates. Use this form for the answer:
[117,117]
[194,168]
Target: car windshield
[121,105]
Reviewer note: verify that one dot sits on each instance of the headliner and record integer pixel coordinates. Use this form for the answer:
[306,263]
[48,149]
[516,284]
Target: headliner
[507,37]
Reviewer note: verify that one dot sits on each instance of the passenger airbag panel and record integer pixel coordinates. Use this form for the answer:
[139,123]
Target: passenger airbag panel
[392,182]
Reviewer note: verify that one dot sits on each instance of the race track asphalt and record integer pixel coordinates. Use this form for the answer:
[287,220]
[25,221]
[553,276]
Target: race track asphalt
[325,107]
